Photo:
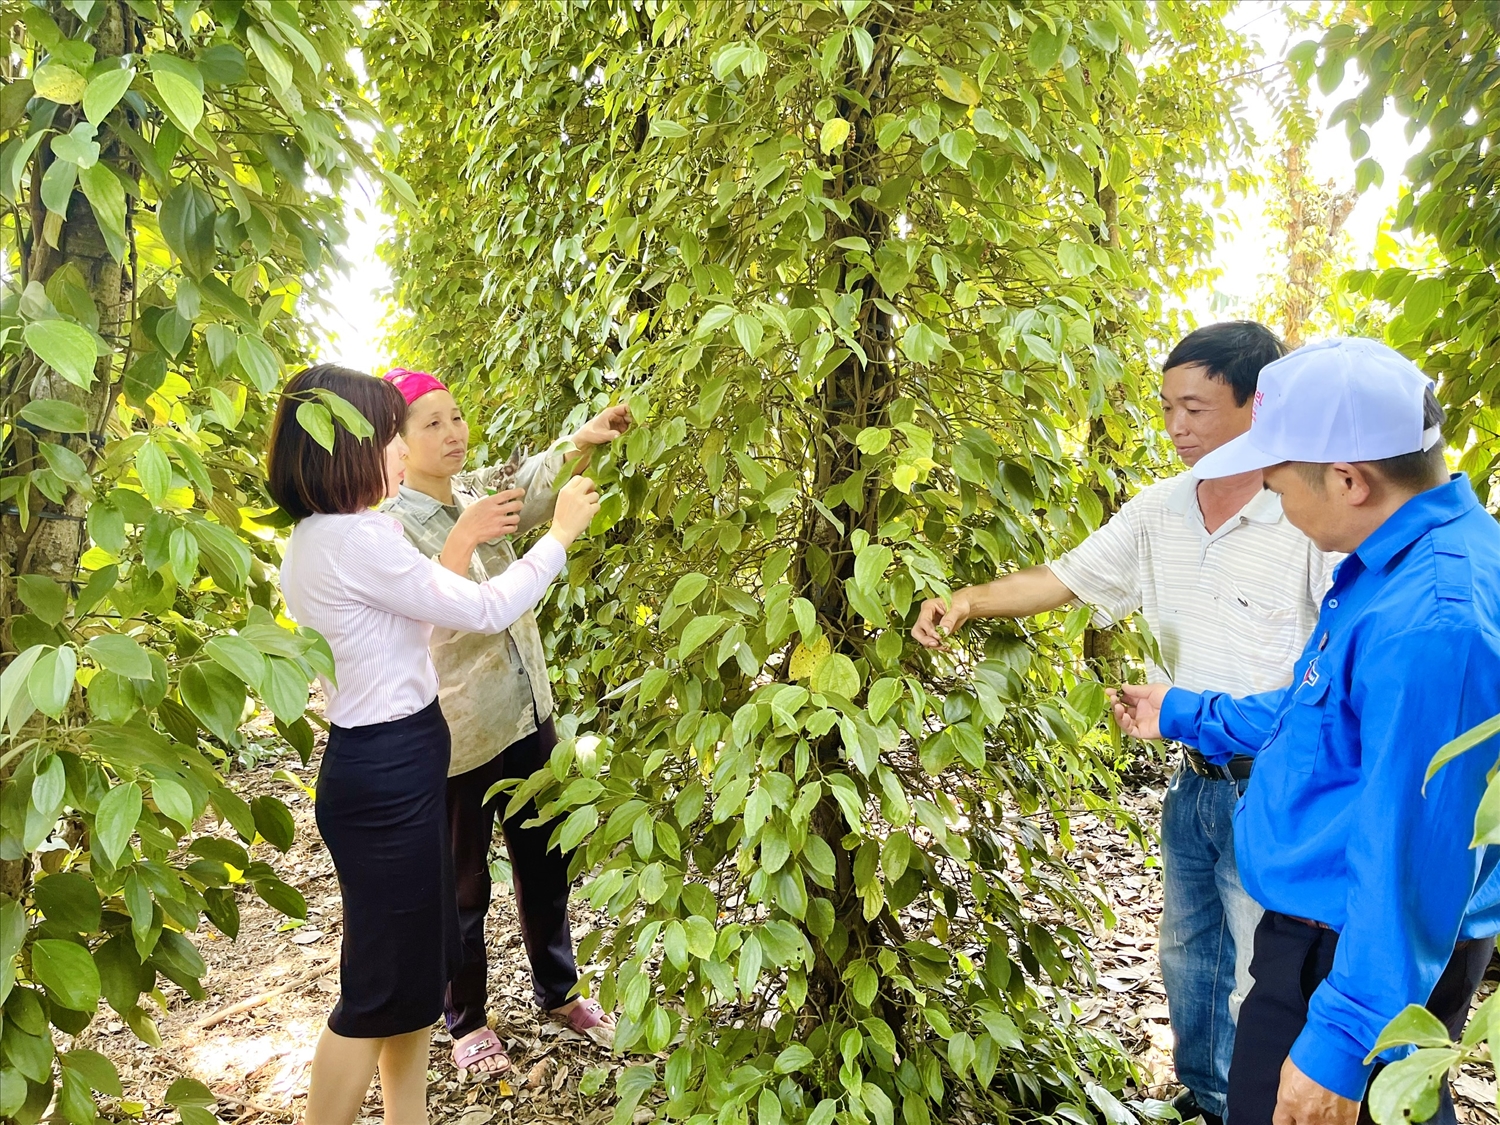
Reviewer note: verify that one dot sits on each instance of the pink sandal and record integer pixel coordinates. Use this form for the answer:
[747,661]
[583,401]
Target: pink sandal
[473,1049]
[589,1018]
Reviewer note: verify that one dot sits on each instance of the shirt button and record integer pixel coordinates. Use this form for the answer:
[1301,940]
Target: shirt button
[1333,603]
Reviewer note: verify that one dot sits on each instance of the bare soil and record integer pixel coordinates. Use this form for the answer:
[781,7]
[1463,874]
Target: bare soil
[256,1059]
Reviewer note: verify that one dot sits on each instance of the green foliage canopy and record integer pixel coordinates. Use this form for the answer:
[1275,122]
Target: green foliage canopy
[1436,66]
[171,175]
[881,282]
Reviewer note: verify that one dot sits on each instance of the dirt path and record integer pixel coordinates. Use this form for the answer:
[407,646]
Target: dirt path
[257,1059]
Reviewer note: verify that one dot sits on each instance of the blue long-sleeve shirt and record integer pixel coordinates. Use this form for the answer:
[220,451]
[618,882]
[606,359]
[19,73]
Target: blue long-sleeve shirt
[1335,825]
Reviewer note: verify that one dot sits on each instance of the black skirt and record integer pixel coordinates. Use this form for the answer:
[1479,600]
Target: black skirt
[381,809]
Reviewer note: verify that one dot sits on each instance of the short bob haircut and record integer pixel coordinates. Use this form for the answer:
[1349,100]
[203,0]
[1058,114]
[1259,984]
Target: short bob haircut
[301,475]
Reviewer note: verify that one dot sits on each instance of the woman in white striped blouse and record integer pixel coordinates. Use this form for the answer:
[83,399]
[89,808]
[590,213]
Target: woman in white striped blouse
[350,573]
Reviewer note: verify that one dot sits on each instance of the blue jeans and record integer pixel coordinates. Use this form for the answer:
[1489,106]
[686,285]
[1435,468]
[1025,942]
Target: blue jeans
[1207,931]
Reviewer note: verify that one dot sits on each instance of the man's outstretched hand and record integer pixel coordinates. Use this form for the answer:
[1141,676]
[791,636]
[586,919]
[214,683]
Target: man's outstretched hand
[937,619]
[1138,708]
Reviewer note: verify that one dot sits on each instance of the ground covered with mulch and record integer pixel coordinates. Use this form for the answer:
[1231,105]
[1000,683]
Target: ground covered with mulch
[269,991]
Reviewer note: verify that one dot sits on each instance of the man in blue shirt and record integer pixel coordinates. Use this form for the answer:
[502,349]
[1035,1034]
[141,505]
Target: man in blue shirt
[1374,898]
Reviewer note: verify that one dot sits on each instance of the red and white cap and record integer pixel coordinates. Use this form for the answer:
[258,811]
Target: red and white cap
[1344,399]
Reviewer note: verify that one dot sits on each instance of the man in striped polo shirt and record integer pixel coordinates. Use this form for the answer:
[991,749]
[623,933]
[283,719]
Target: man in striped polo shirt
[1231,591]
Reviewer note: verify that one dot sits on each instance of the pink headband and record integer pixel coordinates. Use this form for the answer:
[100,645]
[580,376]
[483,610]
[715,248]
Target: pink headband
[413,384]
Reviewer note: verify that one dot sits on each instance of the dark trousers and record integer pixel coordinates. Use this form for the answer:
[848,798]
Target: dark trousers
[1291,959]
[540,877]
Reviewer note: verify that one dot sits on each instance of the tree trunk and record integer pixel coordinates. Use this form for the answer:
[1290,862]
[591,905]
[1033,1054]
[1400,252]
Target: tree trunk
[1315,214]
[1098,649]
[50,541]
[853,396]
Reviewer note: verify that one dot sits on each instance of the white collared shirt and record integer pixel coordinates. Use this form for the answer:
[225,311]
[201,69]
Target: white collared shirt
[375,598]
[1231,610]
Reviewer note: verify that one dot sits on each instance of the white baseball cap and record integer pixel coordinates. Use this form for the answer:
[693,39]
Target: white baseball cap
[1343,399]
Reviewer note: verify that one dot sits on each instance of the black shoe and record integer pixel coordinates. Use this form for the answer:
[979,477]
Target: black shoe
[1188,1109]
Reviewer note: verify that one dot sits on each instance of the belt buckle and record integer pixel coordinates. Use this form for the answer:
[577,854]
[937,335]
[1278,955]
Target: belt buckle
[1197,763]
[1201,766]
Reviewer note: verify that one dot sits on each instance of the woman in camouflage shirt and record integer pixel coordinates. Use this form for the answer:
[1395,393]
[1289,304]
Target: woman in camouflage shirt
[495,693]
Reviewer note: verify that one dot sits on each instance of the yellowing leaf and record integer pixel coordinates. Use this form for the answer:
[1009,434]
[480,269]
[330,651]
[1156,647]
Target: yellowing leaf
[957,87]
[835,132]
[59,83]
[805,658]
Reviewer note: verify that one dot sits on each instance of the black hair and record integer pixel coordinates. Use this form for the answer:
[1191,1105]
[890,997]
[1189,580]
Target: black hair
[301,475]
[1232,351]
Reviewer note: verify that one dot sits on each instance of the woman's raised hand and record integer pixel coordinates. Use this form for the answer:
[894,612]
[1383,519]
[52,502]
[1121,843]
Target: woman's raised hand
[603,427]
[577,503]
[487,518]
[491,517]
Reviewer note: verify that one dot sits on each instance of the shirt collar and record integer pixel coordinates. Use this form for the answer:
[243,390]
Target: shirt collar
[1415,518]
[421,505]
[1181,500]
[1263,507]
